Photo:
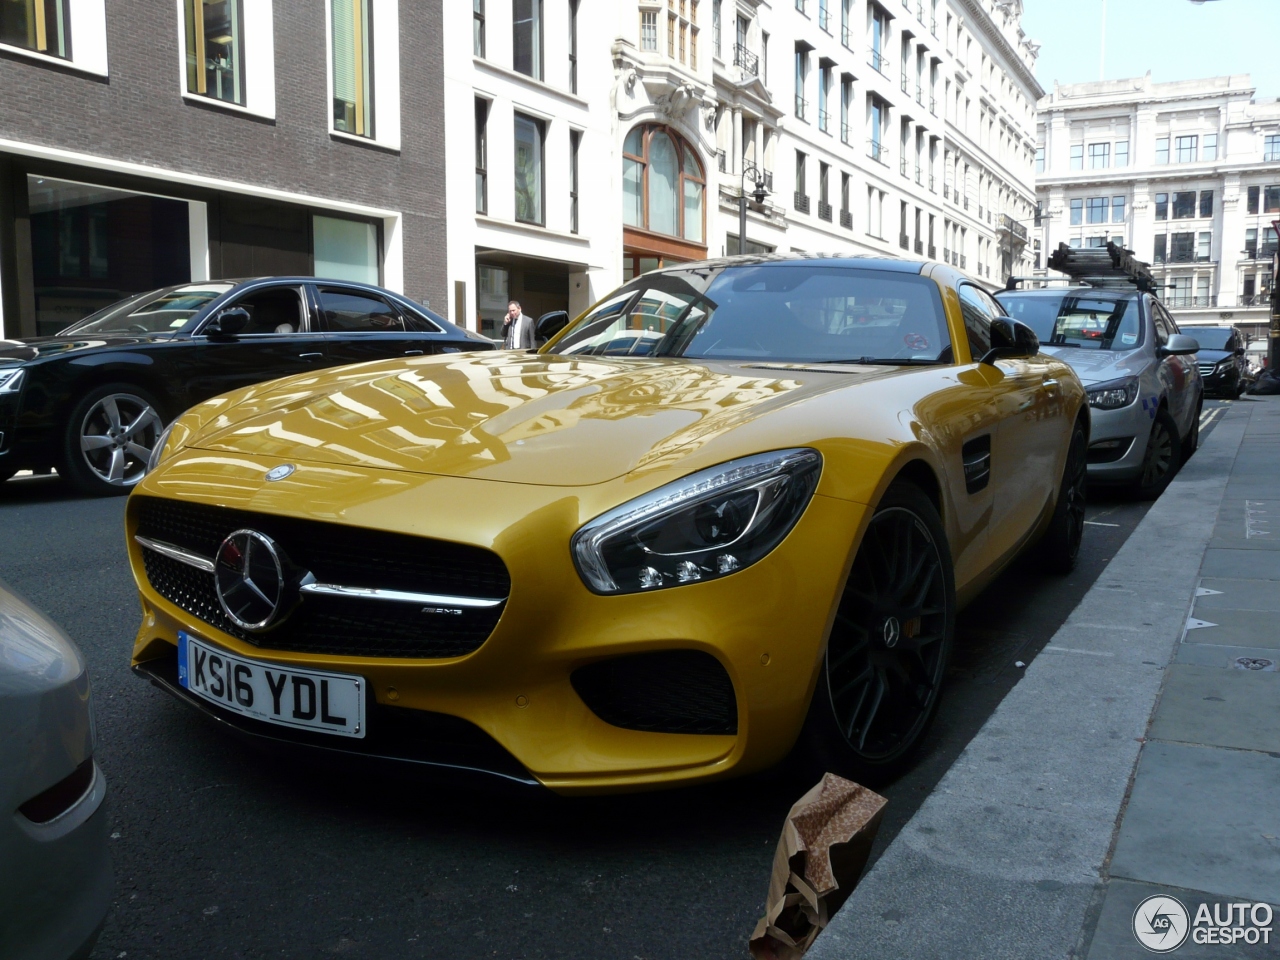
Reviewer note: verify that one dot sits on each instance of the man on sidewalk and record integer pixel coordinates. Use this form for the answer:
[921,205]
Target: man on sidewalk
[517,329]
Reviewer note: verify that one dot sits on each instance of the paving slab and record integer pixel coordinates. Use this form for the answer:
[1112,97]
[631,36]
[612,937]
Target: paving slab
[1243,628]
[1203,818]
[1233,564]
[1224,656]
[1225,708]
[1114,940]
[1238,595]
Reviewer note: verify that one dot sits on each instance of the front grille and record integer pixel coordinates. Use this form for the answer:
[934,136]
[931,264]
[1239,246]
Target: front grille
[1206,369]
[350,556]
[671,691]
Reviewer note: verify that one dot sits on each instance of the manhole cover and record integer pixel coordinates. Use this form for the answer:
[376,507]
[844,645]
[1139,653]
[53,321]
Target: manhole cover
[1254,663]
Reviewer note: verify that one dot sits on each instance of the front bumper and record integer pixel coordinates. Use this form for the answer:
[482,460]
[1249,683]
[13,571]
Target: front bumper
[1130,426]
[1225,383]
[765,625]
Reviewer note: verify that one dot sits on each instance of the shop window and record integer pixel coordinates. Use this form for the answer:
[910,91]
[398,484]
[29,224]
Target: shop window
[42,26]
[92,245]
[530,136]
[352,67]
[215,49]
[663,184]
[345,249]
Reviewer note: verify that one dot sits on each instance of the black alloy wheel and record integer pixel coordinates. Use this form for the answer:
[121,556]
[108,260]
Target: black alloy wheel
[889,644]
[1160,461]
[1060,548]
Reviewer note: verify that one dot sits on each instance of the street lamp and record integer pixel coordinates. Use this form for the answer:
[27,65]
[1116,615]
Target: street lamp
[758,196]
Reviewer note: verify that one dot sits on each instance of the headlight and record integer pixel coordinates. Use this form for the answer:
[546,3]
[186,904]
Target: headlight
[1222,365]
[11,380]
[157,452]
[1114,394]
[703,527]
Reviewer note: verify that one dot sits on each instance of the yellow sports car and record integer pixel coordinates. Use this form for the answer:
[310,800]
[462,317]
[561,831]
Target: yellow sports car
[728,512]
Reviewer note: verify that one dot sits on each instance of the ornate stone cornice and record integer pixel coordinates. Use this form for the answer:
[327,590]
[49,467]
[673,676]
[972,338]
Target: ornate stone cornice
[981,21]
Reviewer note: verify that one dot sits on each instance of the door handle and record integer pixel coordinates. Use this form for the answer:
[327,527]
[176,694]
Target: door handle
[308,356]
[1051,385]
[413,353]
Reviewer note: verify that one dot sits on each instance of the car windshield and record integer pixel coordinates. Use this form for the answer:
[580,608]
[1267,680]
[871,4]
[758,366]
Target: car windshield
[1210,338]
[1074,320]
[799,313]
[159,311]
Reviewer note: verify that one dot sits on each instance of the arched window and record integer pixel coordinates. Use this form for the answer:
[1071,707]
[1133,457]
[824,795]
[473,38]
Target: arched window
[663,185]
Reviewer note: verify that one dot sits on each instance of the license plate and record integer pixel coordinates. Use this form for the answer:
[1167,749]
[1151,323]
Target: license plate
[324,702]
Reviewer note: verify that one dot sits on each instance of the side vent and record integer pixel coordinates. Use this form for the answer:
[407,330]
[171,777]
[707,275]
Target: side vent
[976,455]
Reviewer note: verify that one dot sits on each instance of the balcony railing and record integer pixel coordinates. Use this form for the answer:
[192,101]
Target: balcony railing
[878,63]
[946,191]
[904,241]
[846,219]
[965,203]
[801,202]
[801,105]
[824,19]
[933,105]
[933,27]
[1012,226]
[722,161]
[933,188]
[1255,300]
[1187,300]
[981,212]
[1184,257]
[902,167]
[824,120]
[746,60]
[756,174]
[964,262]
[844,131]
[920,94]
[946,255]
[846,36]
[919,247]
[877,152]
[800,6]
[933,252]
[920,176]
[824,211]
[906,84]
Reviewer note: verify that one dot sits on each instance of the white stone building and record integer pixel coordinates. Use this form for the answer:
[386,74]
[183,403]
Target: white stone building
[1186,174]
[597,140]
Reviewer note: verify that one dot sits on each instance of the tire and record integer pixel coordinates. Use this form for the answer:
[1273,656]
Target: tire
[109,437]
[882,671]
[1192,442]
[1060,547]
[1160,461]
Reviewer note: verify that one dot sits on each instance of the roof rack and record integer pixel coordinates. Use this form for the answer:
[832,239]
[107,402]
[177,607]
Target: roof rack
[1110,266]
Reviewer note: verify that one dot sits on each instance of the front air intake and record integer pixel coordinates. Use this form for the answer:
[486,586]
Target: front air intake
[670,691]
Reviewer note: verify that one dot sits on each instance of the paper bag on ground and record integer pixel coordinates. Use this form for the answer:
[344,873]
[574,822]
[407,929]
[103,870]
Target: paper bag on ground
[824,845]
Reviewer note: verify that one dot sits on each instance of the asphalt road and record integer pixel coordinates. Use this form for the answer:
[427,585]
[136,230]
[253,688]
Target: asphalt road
[221,852]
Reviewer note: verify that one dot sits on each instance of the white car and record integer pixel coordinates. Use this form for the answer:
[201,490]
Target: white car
[1145,390]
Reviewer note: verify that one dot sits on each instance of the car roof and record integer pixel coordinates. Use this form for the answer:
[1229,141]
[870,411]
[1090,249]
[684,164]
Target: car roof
[851,260]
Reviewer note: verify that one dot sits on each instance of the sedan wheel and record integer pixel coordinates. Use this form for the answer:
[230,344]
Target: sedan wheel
[110,439]
[1060,547]
[889,645]
[1161,458]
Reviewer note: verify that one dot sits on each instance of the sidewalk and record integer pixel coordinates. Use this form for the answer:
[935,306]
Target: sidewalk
[1128,761]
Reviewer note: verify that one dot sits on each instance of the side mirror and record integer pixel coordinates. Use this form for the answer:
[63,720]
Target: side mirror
[1239,351]
[549,324]
[1179,345]
[228,323]
[1011,340]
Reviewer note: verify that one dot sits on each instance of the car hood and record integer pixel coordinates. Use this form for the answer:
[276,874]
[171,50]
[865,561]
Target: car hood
[38,348]
[550,420]
[1212,356]
[1099,366]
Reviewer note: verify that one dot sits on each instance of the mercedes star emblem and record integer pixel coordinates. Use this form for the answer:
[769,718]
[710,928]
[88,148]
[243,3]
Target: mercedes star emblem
[280,472]
[892,631]
[249,578]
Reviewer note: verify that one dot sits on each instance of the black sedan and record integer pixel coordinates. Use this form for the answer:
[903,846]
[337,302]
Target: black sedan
[92,400]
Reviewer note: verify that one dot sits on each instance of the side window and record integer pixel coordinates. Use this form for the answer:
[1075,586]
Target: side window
[978,310]
[1162,324]
[278,310]
[351,312]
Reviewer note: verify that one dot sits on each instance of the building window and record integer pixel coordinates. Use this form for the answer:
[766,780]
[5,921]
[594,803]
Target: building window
[845,181]
[663,184]
[526,37]
[1182,248]
[573,46]
[352,67]
[1271,199]
[1184,205]
[1251,243]
[1077,212]
[345,250]
[1162,149]
[802,64]
[215,49]
[1122,153]
[40,25]
[1077,156]
[801,191]
[1255,194]
[477,27]
[529,142]
[1097,209]
[1096,242]
[764,57]
[1206,203]
[1162,206]
[715,28]
[1040,158]
[482,155]
[1161,248]
[1209,147]
[1099,155]
[575,141]
[1117,209]
[824,91]
[1039,220]
[649,30]
[1271,147]
[1203,245]
[1186,149]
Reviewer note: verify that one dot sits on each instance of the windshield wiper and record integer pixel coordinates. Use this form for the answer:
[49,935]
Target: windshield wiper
[884,361]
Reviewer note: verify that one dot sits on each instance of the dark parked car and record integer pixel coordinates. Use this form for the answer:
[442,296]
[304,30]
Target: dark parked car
[92,401]
[1221,359]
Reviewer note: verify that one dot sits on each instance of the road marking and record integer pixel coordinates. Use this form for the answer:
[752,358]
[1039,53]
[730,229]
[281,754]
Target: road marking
[1095,523]
[1194,624]
[1206,592]
[1090,653]
[1253,512]
[1208,416]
